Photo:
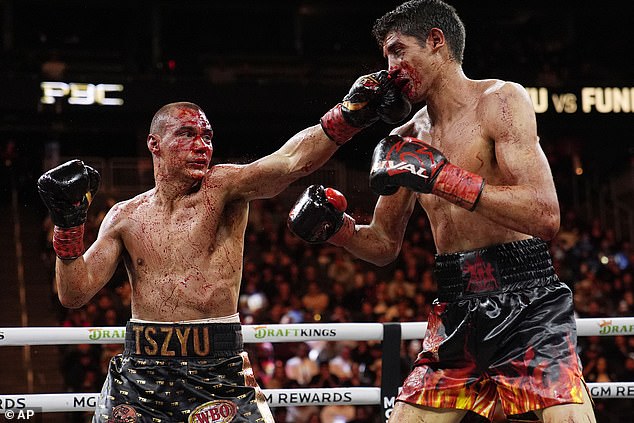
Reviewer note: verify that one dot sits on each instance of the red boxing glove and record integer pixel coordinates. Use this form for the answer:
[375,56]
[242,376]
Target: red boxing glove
[409,162]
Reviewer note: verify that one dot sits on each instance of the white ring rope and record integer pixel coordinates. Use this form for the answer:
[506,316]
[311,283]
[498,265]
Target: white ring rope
[19,336]
[49,403]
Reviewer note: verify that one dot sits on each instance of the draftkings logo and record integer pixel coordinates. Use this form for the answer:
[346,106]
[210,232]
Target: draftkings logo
[606,327]
[268,332]
[98,333]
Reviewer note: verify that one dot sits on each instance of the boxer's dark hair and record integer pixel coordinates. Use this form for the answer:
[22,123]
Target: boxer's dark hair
[417,17]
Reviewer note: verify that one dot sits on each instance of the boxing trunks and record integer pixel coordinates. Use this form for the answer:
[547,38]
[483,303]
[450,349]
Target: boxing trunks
[189,373]
[502,327]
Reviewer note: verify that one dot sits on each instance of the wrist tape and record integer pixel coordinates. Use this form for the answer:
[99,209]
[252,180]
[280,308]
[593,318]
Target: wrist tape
[68,243]
[459,186]
[336,127]
[341,237]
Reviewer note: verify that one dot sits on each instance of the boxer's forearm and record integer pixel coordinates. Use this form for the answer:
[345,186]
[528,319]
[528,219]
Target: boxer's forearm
[521,208]
[76,283]
[307,151]
[301,155]
[71,278]
[380,242]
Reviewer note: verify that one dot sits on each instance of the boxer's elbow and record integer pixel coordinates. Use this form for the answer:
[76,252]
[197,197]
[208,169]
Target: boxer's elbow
[548,227]
[385,254]
[71,302]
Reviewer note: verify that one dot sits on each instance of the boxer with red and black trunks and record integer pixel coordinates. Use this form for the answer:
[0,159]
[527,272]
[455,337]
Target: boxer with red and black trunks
[502,319]
[471,158]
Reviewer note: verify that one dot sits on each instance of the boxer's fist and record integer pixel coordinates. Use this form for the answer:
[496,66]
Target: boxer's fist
[67,191]
[318,216]
[394,107]
[409,162]
[372,97]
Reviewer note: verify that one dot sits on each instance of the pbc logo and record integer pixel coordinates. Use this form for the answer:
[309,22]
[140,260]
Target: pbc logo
[80,94]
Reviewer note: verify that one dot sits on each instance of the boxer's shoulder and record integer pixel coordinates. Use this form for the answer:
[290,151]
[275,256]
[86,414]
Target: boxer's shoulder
[124,209]
[224,171]
[496,93]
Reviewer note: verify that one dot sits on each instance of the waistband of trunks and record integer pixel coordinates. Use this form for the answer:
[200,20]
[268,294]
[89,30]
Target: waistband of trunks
[503,267]
[186,340]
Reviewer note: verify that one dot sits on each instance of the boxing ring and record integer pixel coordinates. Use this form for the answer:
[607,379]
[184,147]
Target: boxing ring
[390,334]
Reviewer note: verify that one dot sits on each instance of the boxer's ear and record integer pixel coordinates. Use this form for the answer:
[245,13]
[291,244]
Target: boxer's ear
[153,143]
[436,39]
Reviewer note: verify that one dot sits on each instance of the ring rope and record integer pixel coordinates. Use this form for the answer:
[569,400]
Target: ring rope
[19,336]
[50,403]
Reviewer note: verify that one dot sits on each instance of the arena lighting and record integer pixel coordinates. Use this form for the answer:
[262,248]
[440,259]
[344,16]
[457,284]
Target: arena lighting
[80,94]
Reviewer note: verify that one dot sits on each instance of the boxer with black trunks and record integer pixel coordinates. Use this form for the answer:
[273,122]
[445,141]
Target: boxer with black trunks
[503,324]
[182,245]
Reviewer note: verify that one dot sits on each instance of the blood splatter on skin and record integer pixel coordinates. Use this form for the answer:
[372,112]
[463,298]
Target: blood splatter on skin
[182,242]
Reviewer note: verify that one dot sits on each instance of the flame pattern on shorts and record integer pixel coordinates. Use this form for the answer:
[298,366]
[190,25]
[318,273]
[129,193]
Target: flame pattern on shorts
[523,355]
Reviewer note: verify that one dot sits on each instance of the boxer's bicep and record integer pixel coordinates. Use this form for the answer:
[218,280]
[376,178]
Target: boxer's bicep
[520,194]
[517,149]
[102,257]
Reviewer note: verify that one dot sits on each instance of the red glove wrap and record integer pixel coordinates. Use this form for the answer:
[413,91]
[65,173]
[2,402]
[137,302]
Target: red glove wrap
[335,126]
[341,237]
[459,186]
[68,243]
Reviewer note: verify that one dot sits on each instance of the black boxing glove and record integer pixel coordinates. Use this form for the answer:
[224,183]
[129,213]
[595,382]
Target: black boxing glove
[318,216]
[67,192]
[372,97]
[409,162]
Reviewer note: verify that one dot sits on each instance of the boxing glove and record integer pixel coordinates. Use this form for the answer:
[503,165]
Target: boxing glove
[409,162]
[318,216]
[67,192]
[372,97]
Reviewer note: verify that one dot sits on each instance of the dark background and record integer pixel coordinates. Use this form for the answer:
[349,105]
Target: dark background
[264,70]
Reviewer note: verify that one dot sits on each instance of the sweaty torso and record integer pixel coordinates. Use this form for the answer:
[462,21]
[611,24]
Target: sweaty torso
[184,259]
[463,139]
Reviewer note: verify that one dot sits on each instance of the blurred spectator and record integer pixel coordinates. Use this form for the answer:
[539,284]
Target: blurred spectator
[301,368]
[315,301]
[399,287]
[341,365]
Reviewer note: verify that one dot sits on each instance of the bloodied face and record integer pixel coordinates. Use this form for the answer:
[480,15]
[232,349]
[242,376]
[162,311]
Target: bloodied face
[413,62]
[184,141]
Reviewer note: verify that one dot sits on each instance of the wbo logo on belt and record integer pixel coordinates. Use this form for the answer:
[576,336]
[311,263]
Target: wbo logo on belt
[220,411]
